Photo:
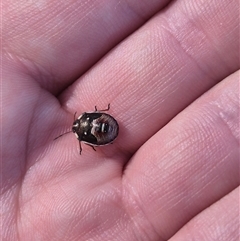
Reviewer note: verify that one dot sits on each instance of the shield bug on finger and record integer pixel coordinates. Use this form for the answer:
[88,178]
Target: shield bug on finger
[94,128]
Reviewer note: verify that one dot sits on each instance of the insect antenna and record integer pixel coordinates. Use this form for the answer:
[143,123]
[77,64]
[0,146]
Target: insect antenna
[62,135]
[74,117]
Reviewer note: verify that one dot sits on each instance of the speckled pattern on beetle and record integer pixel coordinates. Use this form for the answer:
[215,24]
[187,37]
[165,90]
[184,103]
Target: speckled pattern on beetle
[95,128]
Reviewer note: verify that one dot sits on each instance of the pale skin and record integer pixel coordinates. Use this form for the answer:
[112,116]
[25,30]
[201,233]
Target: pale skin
[171,76]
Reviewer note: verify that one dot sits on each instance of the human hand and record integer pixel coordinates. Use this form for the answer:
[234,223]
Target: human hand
[173,172]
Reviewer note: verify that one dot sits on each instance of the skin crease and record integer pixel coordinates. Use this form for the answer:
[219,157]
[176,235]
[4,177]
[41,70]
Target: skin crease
[169,69]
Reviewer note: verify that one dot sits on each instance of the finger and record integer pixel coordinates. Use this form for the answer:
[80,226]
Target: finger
[219,222]
[190,164]
[53,43]
[159,70]
[58,42]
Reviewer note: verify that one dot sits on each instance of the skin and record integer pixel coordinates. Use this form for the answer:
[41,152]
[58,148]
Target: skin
[169,69]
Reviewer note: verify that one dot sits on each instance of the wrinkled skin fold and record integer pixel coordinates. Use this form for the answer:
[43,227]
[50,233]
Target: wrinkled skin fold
[170,70]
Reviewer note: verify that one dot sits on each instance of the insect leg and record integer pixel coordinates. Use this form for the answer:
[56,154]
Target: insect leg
[80,147]
[74,117]
[91,146]
[103,110]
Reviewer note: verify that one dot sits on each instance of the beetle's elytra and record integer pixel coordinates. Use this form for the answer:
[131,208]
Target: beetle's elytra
[94,128]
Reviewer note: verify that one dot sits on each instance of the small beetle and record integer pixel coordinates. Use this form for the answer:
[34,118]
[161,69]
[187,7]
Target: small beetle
[94,128]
